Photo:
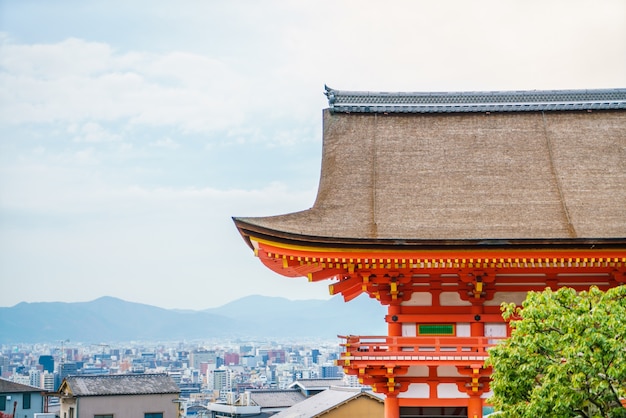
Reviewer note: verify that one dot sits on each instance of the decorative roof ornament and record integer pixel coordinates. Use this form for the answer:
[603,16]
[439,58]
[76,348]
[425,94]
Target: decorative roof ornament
[462,102]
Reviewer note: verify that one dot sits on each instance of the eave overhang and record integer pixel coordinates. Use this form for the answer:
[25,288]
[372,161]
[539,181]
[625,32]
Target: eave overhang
[248,229]
[319,258]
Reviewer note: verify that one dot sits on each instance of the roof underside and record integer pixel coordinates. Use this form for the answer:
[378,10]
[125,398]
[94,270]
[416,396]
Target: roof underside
[450,177]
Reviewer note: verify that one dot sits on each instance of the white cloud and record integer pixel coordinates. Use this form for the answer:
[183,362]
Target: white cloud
[62,185]
[166,143]
[93,132]
[56,61]
[74,81]
[459,45]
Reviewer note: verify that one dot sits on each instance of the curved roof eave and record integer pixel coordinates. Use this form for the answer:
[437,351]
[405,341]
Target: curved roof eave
[248,228]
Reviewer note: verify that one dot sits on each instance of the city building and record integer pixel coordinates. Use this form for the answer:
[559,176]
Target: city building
[18,400]
[197,357]
[47,382]
[222,383]
[231,359]
[338,402]
[4,366]
[34,378]
[139,395]
[330,372]
[310,387]
[255,403]
[47,362]
[272,401]
[441,206]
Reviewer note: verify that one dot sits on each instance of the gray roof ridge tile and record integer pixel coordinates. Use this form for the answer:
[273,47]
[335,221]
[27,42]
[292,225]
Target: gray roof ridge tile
[474,101]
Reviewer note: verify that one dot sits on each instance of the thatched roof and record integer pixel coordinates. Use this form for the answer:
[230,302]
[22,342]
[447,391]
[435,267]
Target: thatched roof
[417,177]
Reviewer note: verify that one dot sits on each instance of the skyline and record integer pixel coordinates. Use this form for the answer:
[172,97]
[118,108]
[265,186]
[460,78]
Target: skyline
[131,136]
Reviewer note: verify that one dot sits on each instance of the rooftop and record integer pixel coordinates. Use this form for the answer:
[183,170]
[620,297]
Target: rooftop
[123,384]
[464,178]
[492,101]
[7,386]
[276,398]
[325,401]
[309,384]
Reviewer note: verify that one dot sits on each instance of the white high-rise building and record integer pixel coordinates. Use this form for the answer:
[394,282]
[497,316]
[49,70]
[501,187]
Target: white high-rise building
[222,381]
[47,381]
[34,377]
[21,379]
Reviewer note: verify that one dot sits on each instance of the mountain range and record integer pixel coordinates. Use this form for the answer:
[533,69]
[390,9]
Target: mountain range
[109,319]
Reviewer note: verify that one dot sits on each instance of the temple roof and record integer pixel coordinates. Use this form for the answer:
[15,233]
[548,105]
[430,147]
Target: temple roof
[438,177]
[495,101]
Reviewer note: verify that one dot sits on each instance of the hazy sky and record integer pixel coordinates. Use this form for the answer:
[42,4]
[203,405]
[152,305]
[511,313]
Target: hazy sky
[131,132]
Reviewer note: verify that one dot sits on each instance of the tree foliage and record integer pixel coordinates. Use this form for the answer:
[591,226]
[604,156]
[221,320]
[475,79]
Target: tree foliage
[566,356]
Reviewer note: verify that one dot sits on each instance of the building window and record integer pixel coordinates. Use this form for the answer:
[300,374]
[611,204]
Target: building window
[3,402]
[435,329]
[71,412]
[153,415]
[103,416]
[26,401]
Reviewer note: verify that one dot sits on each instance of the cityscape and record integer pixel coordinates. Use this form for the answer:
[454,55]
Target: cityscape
[205,371]
[259,355]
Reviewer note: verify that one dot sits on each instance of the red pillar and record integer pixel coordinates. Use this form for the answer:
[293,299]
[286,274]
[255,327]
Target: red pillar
[394,328]
[475,407]
[477,328]
[392,406]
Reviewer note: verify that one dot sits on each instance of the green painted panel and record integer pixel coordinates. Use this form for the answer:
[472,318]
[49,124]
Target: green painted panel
[436,329]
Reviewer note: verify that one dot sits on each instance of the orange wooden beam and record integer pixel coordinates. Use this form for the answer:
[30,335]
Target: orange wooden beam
[441,257]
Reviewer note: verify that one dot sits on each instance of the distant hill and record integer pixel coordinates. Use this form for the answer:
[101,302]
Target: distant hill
[112,319]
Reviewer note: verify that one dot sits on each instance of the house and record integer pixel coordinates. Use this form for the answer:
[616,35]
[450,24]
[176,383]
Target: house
[256,403]
[108,396]
[344,402]
[20,400]
[310,387]
[275,400]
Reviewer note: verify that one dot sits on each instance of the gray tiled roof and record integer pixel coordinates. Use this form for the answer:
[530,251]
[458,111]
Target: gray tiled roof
[460,102]
[276,398]
[317,383]
[6,386]
[123,384]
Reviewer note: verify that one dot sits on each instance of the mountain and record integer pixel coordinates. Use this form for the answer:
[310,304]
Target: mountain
[325,318]
[112,319]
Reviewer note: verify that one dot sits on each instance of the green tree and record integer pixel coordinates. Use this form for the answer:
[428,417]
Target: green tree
[566,356]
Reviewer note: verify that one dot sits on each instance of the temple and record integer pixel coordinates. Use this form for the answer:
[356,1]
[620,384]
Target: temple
[444,205]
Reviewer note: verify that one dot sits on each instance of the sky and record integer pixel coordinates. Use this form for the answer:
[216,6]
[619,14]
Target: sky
[131,132]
